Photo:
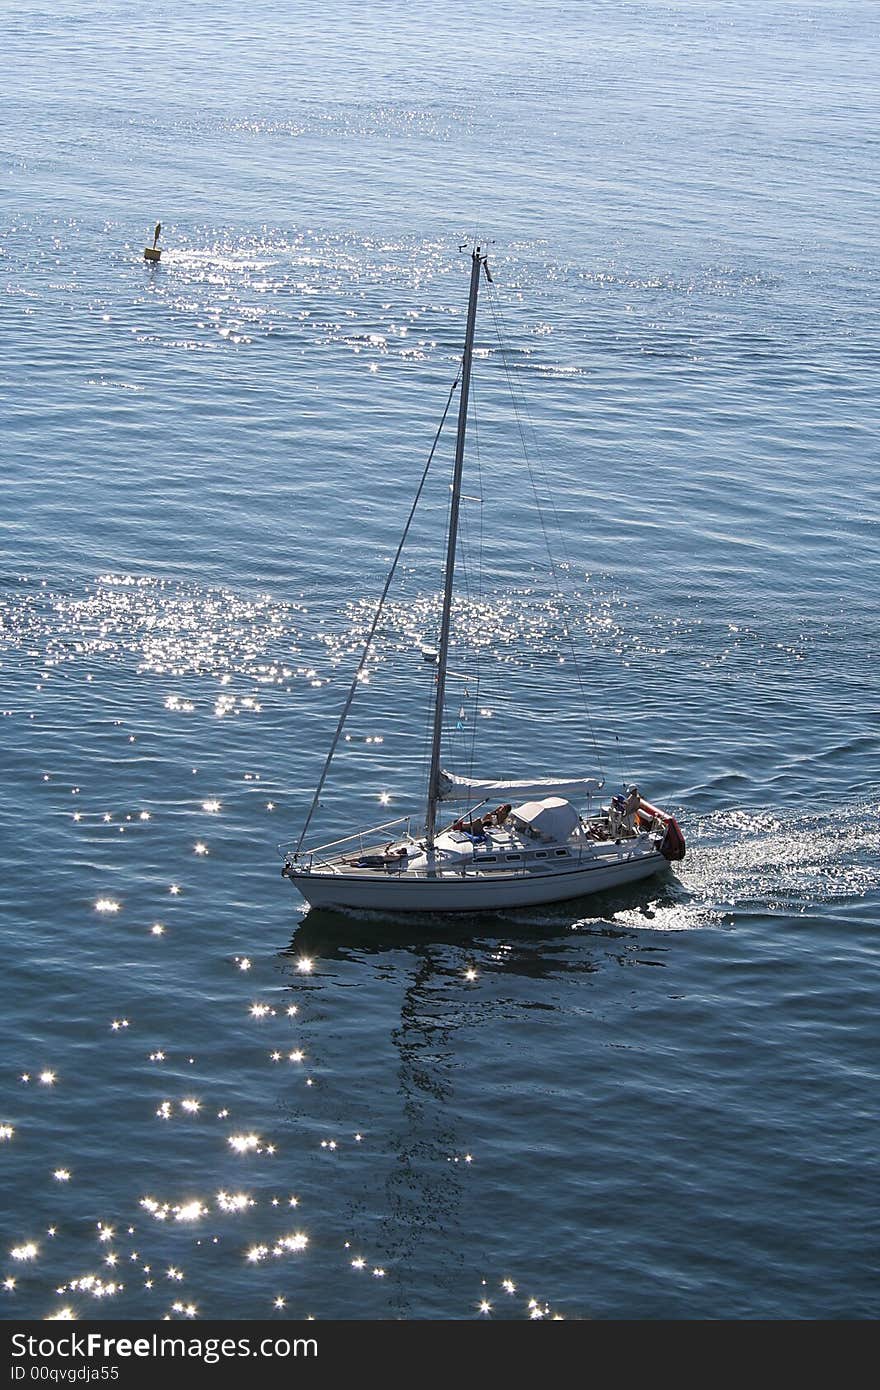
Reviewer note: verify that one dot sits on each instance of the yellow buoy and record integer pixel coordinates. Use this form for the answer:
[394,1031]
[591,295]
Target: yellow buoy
[152,253]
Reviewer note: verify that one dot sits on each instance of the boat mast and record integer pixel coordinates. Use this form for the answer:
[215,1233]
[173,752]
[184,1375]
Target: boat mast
[477,260]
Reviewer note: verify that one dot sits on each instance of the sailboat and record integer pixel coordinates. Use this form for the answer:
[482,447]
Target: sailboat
[509,843]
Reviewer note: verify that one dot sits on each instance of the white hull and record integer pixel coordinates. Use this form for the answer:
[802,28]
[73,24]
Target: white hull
[376,892]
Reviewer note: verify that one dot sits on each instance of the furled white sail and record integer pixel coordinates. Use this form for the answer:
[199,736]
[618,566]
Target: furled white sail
[453,788]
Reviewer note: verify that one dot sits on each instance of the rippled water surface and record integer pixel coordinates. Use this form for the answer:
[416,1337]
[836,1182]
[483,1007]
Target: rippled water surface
[659,1103]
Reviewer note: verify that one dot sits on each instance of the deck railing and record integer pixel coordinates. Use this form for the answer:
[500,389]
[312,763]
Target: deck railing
[306,858]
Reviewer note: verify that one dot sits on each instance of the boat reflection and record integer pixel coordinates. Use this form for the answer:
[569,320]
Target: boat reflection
[534,942]
[453,1003]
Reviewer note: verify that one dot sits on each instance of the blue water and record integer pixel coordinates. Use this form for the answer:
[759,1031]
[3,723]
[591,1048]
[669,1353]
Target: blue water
[659,1104]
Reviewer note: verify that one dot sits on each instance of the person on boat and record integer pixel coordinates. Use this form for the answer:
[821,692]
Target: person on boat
[631,809]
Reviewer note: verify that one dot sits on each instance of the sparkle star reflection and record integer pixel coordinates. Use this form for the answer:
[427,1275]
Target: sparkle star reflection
[244,1143]
[190,1211]
[234,1201]
[299,1241]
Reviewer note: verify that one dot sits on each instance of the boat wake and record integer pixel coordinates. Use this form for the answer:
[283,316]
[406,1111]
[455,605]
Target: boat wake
[768,858]
[763,861]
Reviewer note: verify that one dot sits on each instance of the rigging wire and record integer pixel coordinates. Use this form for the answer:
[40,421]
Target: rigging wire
[368,644]
[480,596]
[500,328]
[477,546]
[471,570]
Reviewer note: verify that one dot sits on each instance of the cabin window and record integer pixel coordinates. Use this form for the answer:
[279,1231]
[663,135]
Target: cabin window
[488,858]
[513,856]
[562,851]
[540,854]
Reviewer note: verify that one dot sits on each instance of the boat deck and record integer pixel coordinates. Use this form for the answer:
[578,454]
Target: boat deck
[501,856]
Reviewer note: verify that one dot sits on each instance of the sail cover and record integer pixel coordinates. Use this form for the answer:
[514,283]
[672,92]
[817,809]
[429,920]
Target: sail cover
[550,819]
[454,788]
